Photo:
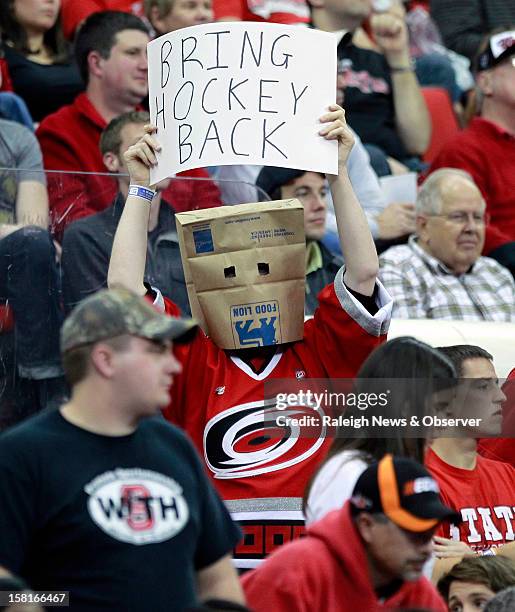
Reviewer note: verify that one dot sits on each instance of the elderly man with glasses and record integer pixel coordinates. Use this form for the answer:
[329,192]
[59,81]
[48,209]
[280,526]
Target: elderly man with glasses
[440,273]
[486,148]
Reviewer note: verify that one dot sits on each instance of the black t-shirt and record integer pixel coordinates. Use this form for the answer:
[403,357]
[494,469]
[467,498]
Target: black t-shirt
[44,87]
[364,77]
[123,523]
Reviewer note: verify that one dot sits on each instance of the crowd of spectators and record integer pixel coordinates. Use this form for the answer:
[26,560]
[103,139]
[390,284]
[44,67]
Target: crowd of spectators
[126,509]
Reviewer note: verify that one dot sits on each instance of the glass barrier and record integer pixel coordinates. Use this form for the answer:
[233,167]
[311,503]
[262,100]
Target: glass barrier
[43,274]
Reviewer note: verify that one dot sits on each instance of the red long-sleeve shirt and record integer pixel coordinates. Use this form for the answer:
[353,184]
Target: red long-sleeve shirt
[487,152]
[69,140]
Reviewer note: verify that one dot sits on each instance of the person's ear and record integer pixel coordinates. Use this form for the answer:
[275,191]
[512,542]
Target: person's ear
[422,228]
[102,360]
[365,526]
[111,161]
[95,61]
[484,82]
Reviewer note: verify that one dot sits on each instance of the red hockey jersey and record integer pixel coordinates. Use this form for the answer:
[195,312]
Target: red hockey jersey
[219,401]
[485,497]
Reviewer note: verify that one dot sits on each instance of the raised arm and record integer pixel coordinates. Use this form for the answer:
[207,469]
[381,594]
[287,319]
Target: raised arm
[411,114]
[128,256]
[356,242]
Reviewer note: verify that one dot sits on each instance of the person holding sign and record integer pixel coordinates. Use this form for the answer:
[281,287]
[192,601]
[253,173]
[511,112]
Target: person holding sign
[218,399]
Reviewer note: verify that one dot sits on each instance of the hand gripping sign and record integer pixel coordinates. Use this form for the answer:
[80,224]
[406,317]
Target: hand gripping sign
[242,93]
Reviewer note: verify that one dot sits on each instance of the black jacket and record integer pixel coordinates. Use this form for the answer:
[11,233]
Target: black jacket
[87,248]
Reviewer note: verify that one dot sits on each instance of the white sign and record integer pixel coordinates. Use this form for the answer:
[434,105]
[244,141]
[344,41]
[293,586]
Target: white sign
[399,188]
[242,93]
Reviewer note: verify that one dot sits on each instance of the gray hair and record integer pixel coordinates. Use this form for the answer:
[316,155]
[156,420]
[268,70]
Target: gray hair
[504,601]
[429,197]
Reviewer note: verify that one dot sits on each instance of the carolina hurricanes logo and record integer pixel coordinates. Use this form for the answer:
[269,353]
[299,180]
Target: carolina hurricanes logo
[245,440]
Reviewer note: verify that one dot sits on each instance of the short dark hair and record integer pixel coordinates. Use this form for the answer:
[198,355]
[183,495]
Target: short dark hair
[76,361]
[110,140]
[461,352]
[278,192]
[496,573]
[98,33]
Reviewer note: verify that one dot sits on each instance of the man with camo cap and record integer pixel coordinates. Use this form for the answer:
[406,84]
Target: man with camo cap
[103,498]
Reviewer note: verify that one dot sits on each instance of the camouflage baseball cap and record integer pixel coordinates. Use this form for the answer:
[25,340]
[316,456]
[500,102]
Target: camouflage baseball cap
[114,312]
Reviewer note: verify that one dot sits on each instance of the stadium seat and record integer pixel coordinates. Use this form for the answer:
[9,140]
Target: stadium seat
[443,119]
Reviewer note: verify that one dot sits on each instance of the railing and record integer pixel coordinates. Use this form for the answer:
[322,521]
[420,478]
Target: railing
[36,279]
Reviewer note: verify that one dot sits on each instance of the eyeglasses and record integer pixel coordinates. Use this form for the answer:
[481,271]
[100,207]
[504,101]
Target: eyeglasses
[462,218]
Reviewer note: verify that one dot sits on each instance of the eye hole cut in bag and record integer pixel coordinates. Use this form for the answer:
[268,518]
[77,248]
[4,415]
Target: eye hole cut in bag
[244,268]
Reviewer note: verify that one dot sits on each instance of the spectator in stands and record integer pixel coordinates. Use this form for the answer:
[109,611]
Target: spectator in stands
[473,582]
[481,490]
[368,555]
[111,50]
[463,23]
[87,242]
[389,224]
[220,392]
[102,499]
[486,148]
[420,374]
[432,66]
[28,274]
[311,191]
[440,273]
[74,13]
[169,15]
[40,63]
[383,100]
[112,57]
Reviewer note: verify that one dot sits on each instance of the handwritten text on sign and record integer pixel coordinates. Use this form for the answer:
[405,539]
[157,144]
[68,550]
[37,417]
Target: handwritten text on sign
[242,93]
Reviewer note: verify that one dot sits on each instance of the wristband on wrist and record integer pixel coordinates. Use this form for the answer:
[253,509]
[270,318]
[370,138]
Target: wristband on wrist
[142,192]
[409,68]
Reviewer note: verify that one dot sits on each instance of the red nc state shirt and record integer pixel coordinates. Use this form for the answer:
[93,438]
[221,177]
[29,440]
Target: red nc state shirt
[219,401]
[485,497]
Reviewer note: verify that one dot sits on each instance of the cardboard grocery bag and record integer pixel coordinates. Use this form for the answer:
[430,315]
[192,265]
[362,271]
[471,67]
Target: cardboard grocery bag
[244,268]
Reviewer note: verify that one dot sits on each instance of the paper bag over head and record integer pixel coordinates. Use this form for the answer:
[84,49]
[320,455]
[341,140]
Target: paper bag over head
[244,267]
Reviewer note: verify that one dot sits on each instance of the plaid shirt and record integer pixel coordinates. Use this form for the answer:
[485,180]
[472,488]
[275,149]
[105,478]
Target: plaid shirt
[422,287]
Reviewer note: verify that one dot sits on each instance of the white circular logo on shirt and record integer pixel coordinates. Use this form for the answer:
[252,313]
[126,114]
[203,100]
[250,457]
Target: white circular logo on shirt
[137,506]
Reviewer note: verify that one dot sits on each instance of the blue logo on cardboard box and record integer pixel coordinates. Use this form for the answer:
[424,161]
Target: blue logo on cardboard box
[256,324]
[203,239]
